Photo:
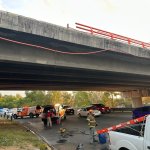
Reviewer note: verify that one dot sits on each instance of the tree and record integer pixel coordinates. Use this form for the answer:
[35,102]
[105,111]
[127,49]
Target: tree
[34,98]
[67,98]
[55,97]
[82,99]
[8,101]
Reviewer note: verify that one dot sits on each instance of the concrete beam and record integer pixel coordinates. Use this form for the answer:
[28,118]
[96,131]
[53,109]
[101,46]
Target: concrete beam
[136,93]
[32,26]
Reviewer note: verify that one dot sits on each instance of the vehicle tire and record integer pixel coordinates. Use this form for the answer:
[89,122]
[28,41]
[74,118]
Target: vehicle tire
[65,117]
[79,115]
[15,116]
[37,115]
[123,148]
[31,115]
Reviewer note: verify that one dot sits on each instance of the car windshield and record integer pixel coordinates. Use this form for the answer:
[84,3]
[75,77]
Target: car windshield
[19,109]
[48,108]
[66,107]
[99,105]
[88,108]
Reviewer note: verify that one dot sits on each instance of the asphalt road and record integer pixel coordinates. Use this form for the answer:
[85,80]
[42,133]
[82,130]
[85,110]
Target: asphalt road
[76,130]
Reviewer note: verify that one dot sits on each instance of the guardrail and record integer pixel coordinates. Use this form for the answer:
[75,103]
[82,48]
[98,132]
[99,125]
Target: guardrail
[122,109]
[112,36]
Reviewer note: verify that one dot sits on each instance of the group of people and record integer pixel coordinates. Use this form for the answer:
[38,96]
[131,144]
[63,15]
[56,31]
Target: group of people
[48,118]
[48,115]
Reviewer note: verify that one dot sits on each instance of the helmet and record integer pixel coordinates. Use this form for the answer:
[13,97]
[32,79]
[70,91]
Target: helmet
[90,111]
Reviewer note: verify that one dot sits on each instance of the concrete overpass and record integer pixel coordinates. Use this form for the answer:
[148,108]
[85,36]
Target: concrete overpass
[37,55]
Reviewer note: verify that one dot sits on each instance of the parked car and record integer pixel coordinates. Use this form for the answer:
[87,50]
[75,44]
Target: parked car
[85,112]
[69,110]
[102,108]
[43,115]
[3,111]
[57,111]
[140,111]
[9,113]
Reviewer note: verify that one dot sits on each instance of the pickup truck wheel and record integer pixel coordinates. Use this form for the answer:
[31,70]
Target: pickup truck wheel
[79,115]
[123,148]
[37,115]
[15,116]
[31,115]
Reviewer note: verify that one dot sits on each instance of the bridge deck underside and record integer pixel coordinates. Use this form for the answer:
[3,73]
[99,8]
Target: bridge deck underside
[25,76]
[17,75]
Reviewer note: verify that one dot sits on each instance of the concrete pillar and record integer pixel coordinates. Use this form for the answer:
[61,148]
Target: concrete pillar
[136,102]
[136,96]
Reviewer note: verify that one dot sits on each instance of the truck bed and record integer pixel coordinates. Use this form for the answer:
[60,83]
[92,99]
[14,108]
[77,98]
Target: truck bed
[133,129]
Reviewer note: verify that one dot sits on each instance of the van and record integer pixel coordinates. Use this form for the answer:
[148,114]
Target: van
[140,111]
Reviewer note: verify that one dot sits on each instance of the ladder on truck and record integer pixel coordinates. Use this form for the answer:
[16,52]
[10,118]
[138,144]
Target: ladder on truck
[121,125]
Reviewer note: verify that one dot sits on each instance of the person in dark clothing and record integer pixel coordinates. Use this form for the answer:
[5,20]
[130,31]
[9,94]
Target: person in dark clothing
[44,119]
[48,115]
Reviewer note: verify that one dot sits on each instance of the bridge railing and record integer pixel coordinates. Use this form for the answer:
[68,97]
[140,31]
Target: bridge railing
[122,109]
[112,36]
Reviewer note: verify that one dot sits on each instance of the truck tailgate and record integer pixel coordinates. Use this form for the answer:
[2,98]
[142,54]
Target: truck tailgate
[118,140]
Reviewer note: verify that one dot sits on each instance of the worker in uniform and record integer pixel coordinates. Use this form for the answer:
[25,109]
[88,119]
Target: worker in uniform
[92,124]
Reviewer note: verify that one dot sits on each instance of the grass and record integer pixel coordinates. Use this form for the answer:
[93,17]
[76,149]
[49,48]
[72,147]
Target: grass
[13,136]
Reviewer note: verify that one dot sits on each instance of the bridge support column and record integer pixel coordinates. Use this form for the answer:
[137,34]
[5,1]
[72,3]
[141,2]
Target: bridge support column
[136,97]
[136,102]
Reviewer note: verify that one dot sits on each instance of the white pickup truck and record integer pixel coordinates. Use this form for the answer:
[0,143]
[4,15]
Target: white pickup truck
[134,137]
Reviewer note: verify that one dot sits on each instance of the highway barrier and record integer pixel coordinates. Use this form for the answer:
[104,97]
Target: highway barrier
[122,109]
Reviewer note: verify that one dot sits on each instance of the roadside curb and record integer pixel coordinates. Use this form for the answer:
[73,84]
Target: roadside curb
[30,128]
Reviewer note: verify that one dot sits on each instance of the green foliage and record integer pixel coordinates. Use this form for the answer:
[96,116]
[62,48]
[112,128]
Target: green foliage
[43,147]
[34,98]
[9,101]
[76,99]
[82,99]
[67,98]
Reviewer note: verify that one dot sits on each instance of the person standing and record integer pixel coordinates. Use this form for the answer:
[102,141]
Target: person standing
[92,124]
[49,120]
[44,119]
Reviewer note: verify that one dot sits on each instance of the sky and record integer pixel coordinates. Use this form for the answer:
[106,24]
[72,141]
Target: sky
[129,18]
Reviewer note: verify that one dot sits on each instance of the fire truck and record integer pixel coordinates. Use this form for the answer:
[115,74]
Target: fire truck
[33,111]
